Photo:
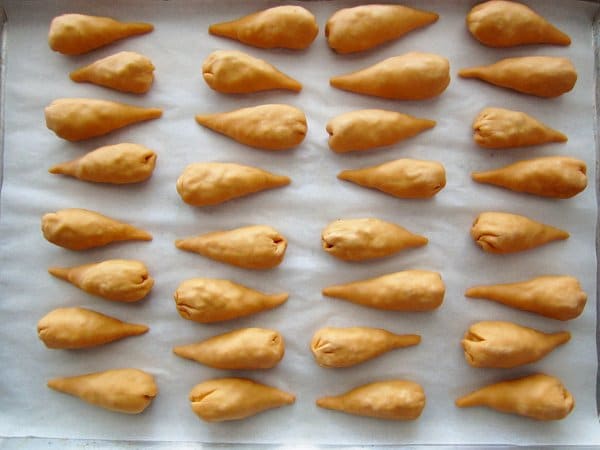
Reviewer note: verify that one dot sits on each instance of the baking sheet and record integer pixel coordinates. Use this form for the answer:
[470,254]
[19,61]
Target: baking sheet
[35,76]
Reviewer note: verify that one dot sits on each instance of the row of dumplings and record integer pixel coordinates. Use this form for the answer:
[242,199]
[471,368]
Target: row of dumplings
[263,247]
[495,23]
[502,344]
[74,119]
[130,391]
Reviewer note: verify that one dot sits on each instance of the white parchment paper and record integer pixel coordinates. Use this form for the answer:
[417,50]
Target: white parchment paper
[179,44]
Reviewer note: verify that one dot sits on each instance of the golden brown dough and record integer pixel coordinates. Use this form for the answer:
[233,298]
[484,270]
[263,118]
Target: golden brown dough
[75,328]
[391,400]
[556,297]
[499,23]
[402,178]
[115,164]
[551,176]
[123,71]
[208,300]
[412,76]
[287,26]
[74,34]
[361,239]
[268,127]
[235,398]
[371,128]
[538,396]
[498,232]
[364,27]
[243,349]
[542,76]
[410,290]
[127,391]
[121,280]
[233,72]
[203,184]
[505,345]
[81,229]
[346,347]
[503,128]
[252,247]
[76,119]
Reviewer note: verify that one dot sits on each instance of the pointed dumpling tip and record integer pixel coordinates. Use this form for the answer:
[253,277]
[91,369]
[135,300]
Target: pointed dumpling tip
[140,27]
[326,402]
[60,272]
[135,329]
[225,29]
[139,235]
[469,72]
[419,240]
[467,401]
[205,119]
[278,299]
[58,384]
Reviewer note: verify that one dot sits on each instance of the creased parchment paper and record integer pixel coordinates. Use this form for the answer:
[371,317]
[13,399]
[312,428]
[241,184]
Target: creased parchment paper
[179,44]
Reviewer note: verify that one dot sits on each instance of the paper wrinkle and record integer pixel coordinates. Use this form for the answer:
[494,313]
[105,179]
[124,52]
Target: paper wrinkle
[178,46]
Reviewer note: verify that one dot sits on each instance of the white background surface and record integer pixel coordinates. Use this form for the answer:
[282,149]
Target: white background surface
[179,44]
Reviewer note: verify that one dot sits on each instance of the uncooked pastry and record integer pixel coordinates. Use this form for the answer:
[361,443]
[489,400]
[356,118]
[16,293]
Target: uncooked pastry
[127,391]
[243,349]
[412,76]
[75,328]
[410,290]
[116,164]
[539,396]
[204,184]
[346,347]
[120,280]
[82,229]
[235,398]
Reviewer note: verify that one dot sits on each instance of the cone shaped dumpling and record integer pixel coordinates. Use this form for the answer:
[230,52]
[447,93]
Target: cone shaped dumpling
[499,23]
[542,76]
[203,184]
[235,398]
[73,328]
[234,72]
[538,396]
[123,71]
[391,399]
[74,34]
[556,297]
[360,239]
[75,119]
[121,280]
[346,347]
[412,76]
[503,128]
[371,128]
[402,178]
[505,345]
[123,390]
[552,176]
[252,247]
[208,300]
[287,26]
[81,229]
[364,27]
[268,127]
[116,164]
[410,290]
[498,232]
[243,349]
